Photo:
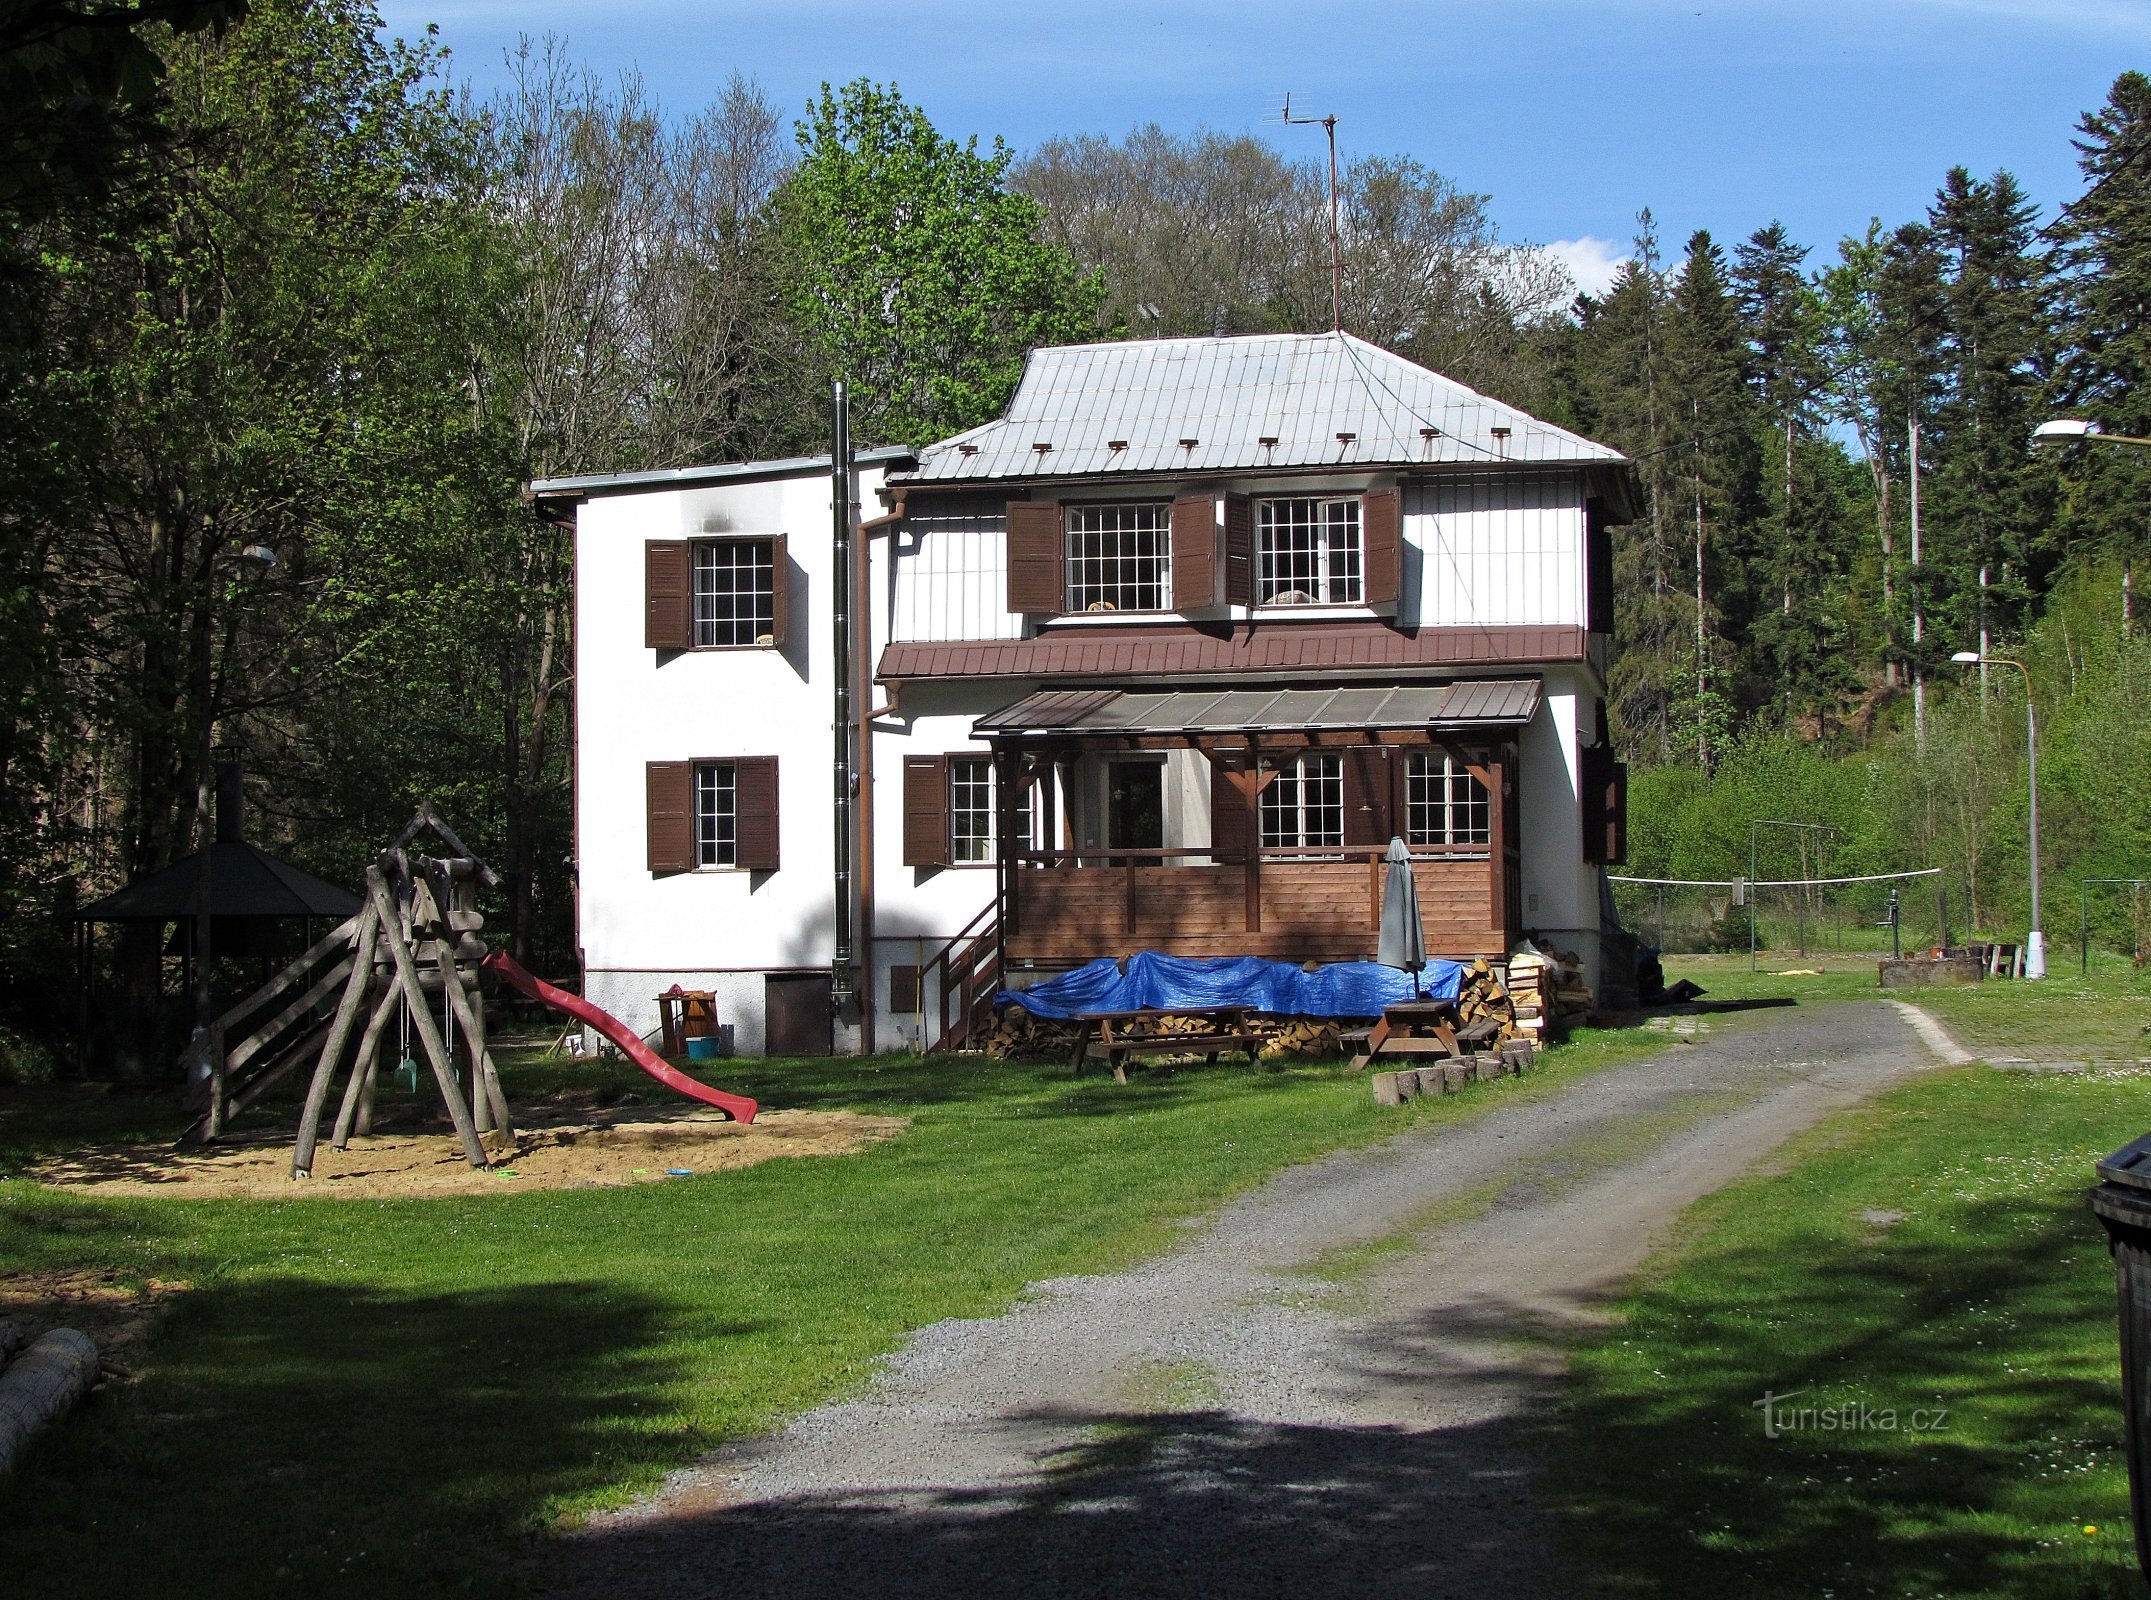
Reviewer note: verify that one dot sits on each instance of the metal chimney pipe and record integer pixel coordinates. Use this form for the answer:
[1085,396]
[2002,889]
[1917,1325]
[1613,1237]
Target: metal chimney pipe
[231,802]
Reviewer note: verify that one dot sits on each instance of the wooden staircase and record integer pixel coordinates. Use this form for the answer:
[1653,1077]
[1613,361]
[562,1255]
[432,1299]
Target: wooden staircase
[966,974]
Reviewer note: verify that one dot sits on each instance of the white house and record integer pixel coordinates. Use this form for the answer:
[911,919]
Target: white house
[1160,659]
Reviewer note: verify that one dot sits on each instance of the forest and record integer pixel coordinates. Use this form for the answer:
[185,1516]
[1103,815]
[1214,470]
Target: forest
[274,284]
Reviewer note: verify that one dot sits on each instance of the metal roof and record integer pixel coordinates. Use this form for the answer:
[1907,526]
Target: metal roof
[1183,649]
[1256,401]
[1505,703]
[686,477]
[243,882]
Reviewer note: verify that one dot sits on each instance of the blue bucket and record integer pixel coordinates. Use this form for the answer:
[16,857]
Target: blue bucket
[702,1049]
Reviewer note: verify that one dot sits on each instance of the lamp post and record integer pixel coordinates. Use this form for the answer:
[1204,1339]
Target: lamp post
[2035,943]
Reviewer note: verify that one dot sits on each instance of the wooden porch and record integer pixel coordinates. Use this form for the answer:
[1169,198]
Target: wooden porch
[1232,895]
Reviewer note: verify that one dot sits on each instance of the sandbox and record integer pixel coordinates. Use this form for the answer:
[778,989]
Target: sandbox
[639,1144]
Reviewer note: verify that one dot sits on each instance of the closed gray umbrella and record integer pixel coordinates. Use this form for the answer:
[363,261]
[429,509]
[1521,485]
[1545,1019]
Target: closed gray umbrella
[1403,943]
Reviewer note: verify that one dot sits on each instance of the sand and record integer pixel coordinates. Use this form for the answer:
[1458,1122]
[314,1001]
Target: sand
[639,1144]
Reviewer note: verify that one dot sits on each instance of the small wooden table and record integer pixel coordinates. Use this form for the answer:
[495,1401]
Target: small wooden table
[1411,1027]
[1227,1031]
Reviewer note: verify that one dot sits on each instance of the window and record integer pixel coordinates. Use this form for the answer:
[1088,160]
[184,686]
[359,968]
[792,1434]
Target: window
[1119,557]
[735,592]
[1444,803]
[971,811]
[1308,553]
[716,814]
[970,808]
[1305,805]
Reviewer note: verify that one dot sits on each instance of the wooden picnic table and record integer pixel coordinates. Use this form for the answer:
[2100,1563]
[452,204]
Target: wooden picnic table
[1111,1034]
[1412,1027]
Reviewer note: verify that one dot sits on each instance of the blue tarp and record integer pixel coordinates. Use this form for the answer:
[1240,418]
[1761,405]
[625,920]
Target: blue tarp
[1155,982]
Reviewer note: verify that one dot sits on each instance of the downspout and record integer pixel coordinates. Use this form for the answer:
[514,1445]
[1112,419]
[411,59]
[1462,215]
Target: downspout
[842,990]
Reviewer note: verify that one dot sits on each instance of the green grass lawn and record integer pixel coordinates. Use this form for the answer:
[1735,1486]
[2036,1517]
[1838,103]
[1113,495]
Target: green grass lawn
[359,1397]
[1928,1253]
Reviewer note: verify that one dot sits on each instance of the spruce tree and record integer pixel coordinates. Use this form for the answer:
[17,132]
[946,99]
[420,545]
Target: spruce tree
[1989,502]
[1712,417]
[2103,248]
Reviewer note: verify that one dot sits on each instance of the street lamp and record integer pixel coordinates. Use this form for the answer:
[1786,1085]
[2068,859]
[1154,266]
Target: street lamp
[2035,944]
[2074,430]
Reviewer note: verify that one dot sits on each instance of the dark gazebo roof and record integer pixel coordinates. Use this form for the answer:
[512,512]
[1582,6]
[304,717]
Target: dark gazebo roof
[243,882]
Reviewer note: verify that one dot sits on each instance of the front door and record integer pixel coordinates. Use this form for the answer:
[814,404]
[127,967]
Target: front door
[1135,805]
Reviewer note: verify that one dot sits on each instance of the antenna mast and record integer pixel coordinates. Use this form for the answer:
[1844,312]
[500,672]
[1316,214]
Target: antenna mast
[1336,259]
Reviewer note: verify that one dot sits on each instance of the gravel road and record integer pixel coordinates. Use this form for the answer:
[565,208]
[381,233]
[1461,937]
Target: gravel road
[1265,1410]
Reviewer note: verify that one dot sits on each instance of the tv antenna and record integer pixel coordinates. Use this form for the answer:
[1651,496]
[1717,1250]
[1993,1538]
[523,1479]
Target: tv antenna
[1336,258]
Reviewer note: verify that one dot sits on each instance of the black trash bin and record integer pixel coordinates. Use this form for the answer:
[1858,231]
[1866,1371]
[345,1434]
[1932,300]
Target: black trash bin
[2122,1202]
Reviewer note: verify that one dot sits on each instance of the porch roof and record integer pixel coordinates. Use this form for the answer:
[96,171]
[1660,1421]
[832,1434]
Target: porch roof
[1456,707]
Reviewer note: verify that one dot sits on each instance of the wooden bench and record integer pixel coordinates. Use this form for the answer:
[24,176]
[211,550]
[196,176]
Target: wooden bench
[1226,1032]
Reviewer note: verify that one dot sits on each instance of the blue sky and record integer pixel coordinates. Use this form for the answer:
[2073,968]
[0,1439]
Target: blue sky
[1570,114]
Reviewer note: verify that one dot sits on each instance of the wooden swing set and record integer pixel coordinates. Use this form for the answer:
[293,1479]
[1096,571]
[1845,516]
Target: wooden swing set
[414,937]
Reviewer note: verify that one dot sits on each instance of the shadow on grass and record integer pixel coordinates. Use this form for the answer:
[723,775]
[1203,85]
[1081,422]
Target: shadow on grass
[1191,1504]
[305,1437]
[1951,1419]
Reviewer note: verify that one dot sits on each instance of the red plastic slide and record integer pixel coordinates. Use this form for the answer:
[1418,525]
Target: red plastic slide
[510,971]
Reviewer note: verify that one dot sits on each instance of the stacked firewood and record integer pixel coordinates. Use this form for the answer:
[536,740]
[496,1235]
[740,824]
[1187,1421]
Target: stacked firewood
[1548,990]
[1483,993]
[1019,1035]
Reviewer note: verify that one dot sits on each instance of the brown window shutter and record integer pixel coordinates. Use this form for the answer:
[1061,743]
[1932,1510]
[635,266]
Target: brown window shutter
[1194,523]
[1381,525]
[669,817]
[1228,810]
[1605,806]
[754,780]
[926,811]
[1034,557]
[1239,550]
[1366,795]
[667,595]
[1597,567]
[780,590]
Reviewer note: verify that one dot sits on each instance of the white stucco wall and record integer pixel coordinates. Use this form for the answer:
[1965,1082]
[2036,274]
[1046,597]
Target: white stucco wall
[1560,888]
[709,929]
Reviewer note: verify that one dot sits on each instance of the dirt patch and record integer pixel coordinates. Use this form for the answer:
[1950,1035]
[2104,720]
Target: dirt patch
[639,1145]
[114,1312]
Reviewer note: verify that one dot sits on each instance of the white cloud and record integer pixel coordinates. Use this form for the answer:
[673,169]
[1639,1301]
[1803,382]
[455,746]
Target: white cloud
[1591,261]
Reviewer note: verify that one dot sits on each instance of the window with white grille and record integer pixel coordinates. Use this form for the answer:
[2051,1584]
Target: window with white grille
[972,815]
[735,592]
[716,815]
[1119,557]
[1308,552]
[1444,803]
[1304,806]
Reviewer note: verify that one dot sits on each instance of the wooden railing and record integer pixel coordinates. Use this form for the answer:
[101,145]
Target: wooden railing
[1321,902]
[967,973]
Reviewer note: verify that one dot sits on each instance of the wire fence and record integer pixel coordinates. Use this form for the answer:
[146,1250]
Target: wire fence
[1806,916]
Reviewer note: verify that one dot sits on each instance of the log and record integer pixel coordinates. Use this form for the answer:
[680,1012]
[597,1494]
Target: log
[244,1051]
[1432,1080]
[297,968]
[1455,1074]
[1385,1090]
[422,1022]
[357,1108]
[42,1384]
[487,1098]
[332,1048]
[12,1340]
